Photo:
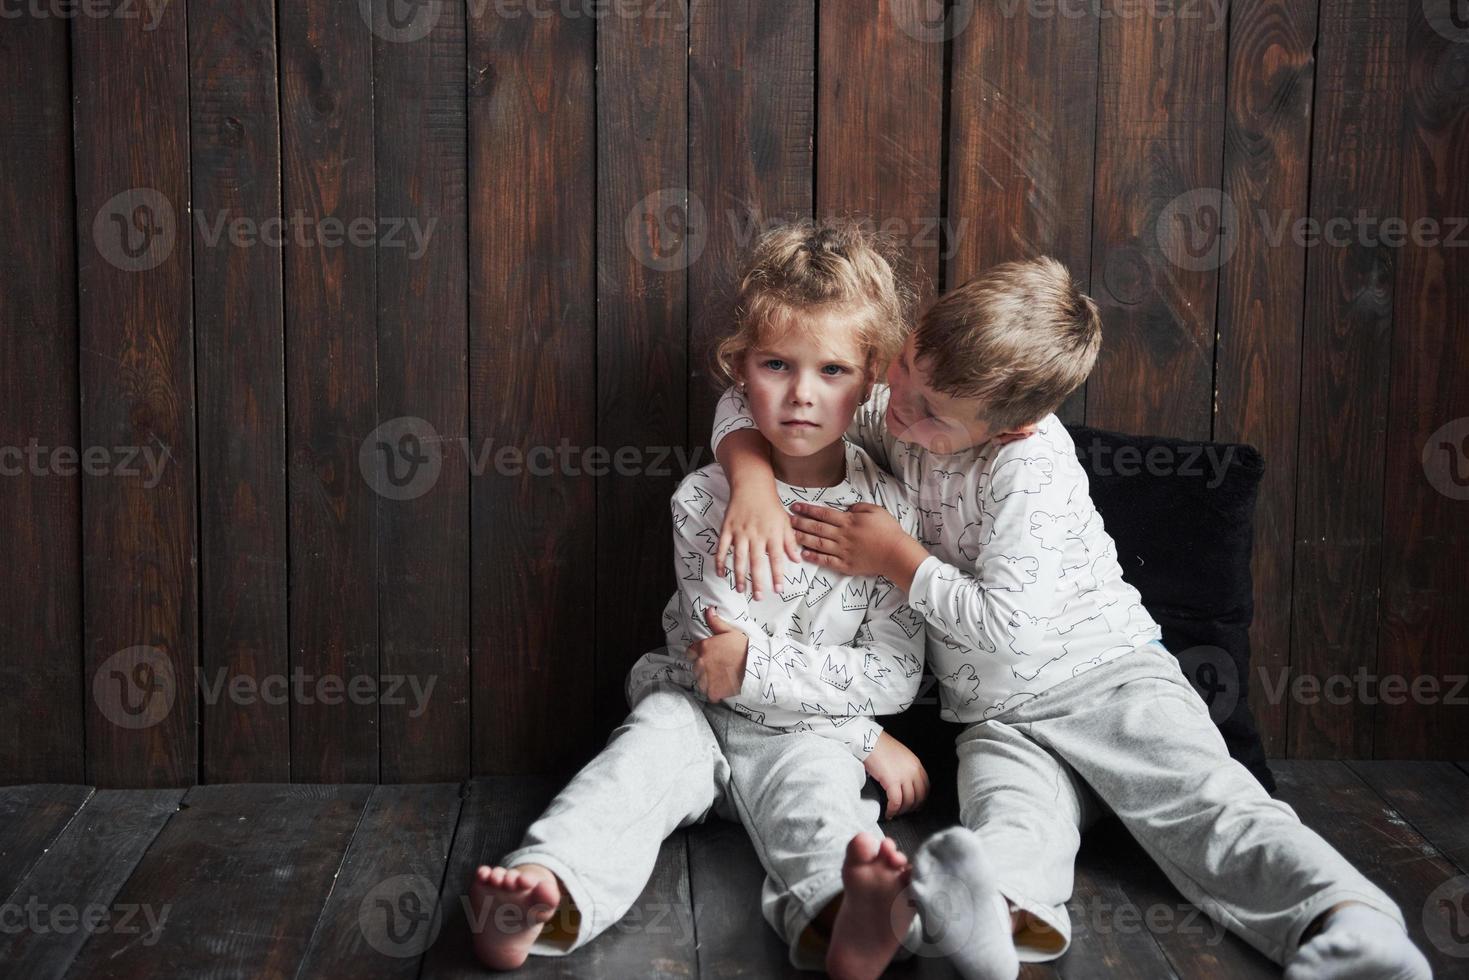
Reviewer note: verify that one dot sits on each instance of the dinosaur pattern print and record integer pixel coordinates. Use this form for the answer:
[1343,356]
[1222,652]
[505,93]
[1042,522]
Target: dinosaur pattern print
[1022,589]
[826,654]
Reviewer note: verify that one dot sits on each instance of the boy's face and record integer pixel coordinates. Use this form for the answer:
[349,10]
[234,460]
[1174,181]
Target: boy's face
[804,385]
[937,422]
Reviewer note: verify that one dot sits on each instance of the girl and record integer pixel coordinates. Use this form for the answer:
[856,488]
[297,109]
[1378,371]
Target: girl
[761,706]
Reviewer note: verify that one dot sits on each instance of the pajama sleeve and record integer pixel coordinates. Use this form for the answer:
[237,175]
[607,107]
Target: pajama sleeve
[1016,555]
[695,538]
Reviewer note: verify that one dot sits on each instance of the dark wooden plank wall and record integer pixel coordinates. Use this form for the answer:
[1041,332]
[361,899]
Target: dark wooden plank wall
[365,480]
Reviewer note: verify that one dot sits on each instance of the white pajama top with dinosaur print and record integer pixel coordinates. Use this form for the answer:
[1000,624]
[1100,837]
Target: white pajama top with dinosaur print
[1022,589]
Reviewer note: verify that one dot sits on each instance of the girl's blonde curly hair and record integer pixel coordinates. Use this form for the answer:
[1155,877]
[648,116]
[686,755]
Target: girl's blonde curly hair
[811,267]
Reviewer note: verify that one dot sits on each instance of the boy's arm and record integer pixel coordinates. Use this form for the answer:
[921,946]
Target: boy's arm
[1015,556]
[755,523]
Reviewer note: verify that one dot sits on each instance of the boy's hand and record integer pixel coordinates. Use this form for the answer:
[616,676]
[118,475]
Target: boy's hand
[719,661]
[899,773]
[756,525]
[866,540]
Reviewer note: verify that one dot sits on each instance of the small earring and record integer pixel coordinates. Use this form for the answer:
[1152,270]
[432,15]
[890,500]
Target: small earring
[740,388]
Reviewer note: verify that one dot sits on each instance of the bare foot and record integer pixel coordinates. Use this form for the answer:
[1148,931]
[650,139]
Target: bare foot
[508,909]
[872,918]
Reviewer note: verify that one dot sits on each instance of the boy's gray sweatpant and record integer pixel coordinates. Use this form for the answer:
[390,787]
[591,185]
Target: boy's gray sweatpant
[672,762]
[1133,737]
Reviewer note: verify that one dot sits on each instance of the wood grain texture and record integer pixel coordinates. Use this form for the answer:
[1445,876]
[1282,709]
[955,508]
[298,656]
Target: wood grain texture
[235,155]
[1160,129]
[423,332]
[83,870]
[31,818]
[1432,796]
[879,123]
[750,60]
[1267,156]
[382,913]
[647,237]
[1344,371]
[532,281]
[139,550]
[327,150]
[1022,120]
[234,882]
[41,675]
[1425,523]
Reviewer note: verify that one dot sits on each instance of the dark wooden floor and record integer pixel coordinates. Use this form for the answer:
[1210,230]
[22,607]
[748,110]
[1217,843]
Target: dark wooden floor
[272,880]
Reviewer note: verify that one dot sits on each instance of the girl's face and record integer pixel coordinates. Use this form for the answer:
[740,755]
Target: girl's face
[804,385]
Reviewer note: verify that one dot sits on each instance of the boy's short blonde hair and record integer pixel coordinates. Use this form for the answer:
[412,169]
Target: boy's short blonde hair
[809,267]
[1021,337]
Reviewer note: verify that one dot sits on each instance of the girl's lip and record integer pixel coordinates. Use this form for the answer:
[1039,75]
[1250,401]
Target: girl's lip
[800,422]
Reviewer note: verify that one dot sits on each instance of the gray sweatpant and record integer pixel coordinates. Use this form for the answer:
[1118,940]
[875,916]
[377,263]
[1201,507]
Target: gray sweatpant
[1133,737]
[672,762]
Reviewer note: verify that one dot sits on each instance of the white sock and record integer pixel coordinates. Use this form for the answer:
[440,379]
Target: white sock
[1358,942]
[954,887]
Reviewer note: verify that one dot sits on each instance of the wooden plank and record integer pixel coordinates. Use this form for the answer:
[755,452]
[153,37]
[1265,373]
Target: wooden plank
[1022,120]
[423,331]
[1194,945]
[241,872]
[331,367]
[1432,796]
[31,818]
[40,501]
[383,912]
[750,60]
[140,590]
[725,878]
[1154,261]
[879,123]
[235,151]
[69,895]
[1426,470]
[1258,365]
[646,239]
[1344,372]
[655,939]
[532,322]
[1334,802]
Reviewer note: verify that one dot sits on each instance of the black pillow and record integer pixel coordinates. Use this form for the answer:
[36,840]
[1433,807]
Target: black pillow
[1182,514]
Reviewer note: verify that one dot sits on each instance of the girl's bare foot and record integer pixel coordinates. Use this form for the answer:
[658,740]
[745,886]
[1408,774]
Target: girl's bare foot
[869,924]
[508,908]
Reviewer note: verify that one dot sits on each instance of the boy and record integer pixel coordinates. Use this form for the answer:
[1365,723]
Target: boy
[1049,656]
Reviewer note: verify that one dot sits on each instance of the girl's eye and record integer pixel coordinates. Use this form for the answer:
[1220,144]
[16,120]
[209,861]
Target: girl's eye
[775,364]
[834,370]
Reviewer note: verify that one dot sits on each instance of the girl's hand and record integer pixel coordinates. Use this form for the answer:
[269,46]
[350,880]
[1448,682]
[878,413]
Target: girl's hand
[899,773]
[719,661]
[756,526]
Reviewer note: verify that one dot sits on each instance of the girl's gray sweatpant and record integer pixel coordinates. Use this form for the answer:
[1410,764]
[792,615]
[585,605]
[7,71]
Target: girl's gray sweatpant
[674,760]
[1134,738]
